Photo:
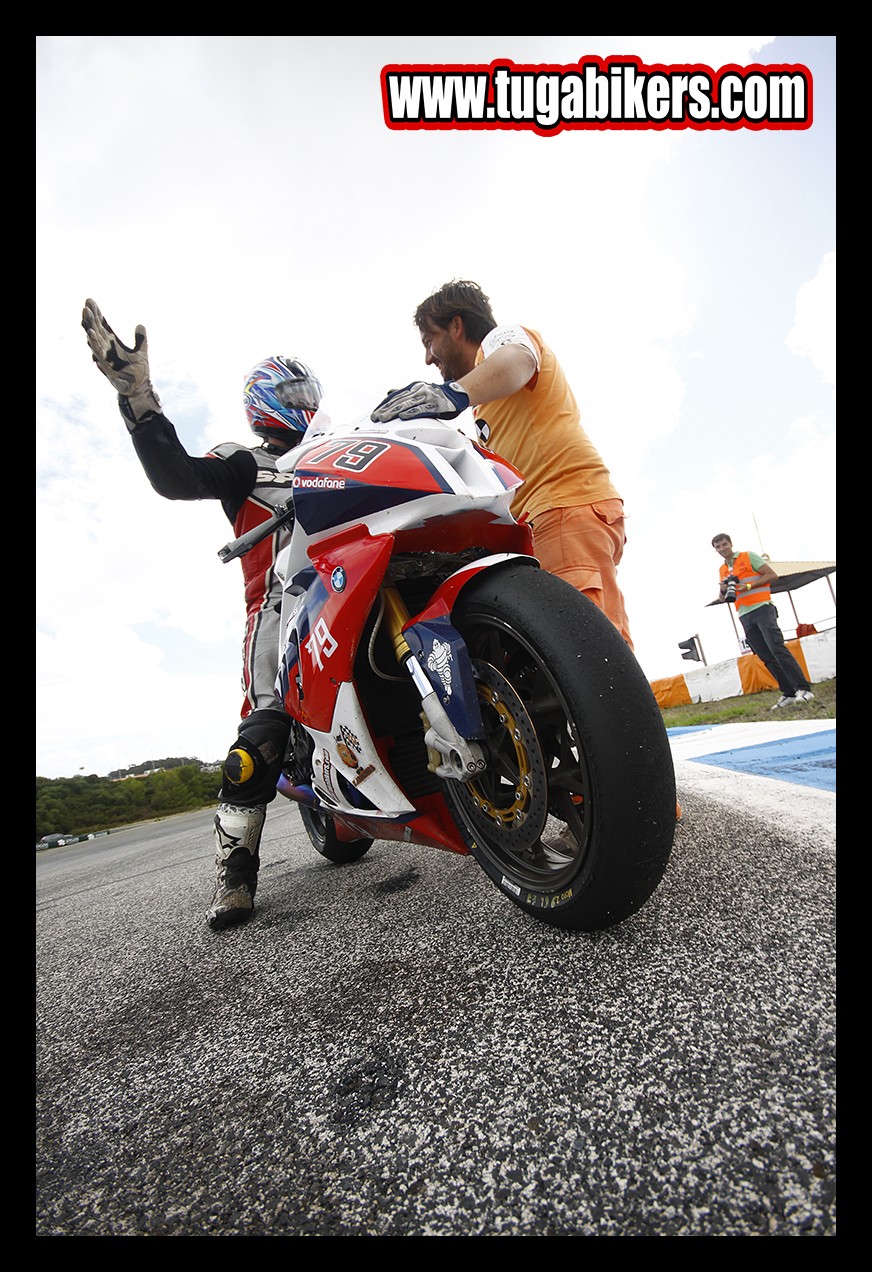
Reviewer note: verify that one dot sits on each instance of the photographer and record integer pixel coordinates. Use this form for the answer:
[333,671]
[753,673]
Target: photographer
[746,582]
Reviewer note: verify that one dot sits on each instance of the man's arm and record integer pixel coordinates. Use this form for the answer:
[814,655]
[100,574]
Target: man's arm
[767,574]
[171,470]
[503,372]
[175,474]
[500,375]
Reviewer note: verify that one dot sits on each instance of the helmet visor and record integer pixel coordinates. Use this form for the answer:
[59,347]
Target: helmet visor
[298,394]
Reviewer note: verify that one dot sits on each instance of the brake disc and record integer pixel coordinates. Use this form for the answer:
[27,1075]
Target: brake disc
[508,804]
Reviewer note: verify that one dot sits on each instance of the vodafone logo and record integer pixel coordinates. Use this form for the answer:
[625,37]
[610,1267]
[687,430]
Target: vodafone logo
[319,483]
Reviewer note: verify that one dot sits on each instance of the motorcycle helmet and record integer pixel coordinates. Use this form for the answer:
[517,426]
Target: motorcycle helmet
[281,396]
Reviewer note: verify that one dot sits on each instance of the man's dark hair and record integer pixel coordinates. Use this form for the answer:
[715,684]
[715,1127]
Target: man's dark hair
[722,536]
[459,297]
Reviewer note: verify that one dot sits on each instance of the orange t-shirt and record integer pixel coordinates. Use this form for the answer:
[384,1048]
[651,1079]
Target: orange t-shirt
[538,429]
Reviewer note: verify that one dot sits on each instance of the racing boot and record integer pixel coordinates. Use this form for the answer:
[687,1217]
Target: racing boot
[237,860]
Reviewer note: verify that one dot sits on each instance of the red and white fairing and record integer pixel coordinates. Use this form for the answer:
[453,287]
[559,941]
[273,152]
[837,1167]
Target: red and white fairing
[361,497]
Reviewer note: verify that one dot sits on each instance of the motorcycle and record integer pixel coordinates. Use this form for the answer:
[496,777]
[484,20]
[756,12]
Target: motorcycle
[446,691]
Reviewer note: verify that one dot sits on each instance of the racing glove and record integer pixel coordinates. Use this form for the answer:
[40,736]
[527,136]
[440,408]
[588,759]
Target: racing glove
[416,400]
[126,369]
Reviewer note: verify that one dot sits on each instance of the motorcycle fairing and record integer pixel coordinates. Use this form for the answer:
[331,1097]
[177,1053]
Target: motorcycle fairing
[347,765]
[310,597]
[324,630]
[431,826]
[443,599]
[367,802]
[348,481]
[359,500]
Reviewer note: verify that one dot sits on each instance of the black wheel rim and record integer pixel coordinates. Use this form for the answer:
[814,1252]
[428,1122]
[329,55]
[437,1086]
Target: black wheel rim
[537,781]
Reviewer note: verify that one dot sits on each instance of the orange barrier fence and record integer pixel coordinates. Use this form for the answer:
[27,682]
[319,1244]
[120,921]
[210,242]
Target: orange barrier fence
[746,674]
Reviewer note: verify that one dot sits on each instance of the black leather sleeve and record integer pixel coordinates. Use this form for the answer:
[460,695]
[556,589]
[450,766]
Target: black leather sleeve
[175,474]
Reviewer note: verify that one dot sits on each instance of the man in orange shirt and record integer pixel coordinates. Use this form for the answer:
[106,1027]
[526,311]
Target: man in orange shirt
[526,412]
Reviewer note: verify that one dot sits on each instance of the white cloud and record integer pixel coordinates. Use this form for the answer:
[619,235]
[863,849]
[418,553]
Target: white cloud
[813,334]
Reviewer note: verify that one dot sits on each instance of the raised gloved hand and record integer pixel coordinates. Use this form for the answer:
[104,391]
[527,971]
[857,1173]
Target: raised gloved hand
[126,369]
[441,401]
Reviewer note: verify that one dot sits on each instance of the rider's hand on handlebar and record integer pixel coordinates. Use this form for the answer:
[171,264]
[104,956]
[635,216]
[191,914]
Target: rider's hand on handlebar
[441,401]
[126,369]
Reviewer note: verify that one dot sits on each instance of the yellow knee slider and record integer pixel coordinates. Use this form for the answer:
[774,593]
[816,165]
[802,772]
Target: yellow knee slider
[239,767]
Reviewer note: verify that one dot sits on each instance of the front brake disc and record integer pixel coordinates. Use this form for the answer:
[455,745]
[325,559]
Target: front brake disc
[508,803]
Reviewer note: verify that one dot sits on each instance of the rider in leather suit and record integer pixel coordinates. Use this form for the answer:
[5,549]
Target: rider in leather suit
[281,396]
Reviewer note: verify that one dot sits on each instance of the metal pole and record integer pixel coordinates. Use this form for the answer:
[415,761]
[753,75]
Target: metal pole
[793,607]
[735,628]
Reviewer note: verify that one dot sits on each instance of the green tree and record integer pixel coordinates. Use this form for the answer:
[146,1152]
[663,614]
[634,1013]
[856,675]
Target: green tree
[85,805]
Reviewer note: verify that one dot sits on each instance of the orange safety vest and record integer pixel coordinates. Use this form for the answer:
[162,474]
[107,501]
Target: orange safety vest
[744,571]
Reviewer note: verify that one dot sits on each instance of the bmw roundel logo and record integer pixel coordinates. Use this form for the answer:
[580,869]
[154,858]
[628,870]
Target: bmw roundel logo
[338,579]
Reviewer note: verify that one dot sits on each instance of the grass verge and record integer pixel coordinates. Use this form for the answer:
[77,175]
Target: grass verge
[757,706]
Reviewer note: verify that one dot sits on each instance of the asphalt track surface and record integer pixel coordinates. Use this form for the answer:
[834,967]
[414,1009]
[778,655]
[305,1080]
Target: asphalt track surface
[392,1049]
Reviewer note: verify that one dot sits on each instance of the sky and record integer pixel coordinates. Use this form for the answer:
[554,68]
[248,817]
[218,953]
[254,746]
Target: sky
[243,196]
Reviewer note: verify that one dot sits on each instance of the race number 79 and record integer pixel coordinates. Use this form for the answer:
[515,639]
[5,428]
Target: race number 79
[320,643]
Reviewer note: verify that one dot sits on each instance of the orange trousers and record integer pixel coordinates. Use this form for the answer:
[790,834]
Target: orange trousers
[584,545]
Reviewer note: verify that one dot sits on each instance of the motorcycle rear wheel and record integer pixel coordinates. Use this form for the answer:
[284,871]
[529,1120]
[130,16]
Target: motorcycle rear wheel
[321,830]
[573,733]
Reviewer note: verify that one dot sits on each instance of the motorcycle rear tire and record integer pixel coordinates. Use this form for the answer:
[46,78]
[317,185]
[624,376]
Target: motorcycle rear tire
[321,830]
[574,733]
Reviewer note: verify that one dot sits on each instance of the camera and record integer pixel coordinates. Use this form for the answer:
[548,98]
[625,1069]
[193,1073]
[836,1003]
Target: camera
[730,593]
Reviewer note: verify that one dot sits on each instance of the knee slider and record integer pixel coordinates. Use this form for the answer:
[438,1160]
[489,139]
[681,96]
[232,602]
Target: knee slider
[253,763]
[239,767]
